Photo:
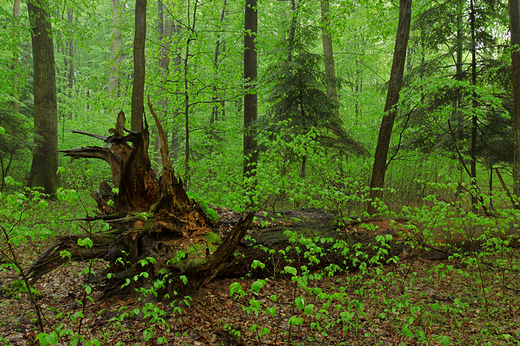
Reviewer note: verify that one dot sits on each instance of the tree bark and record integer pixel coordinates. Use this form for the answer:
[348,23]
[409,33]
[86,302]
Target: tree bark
[392,98]
[139,66]
[115,53]
[250,98]
[514,20]
[45,157]
[328,53]
[473,149]
[16,86]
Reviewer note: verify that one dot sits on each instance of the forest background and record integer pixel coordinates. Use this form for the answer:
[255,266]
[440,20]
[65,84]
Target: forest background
[193,76]
[299,131]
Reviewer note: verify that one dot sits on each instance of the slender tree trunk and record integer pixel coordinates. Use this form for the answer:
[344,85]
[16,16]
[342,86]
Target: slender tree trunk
[217,107]
[45,157]
[139,66]
[164,30]
[292,29]
[394,87]
[70,72]
[473,149]
[328,55]
[514,19]
[115,53]
[187,95]
[250,98]
[16,86]
[176,136]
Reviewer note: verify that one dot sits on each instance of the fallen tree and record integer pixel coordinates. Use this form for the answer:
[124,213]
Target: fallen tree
[154,226]
[156,231]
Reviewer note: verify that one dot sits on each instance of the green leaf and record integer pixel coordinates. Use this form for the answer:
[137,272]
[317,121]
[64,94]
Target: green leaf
[257,285]
[290,270]
[300,302]
[264,331]
[257,263]
[235,287]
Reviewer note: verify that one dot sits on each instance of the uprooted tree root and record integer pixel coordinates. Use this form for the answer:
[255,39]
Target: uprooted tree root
[148,218]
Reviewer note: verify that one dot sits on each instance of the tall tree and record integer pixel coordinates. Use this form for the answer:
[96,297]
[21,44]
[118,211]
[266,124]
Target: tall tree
[115,54]
[16,14]
[164,31]
[250,98]
[45,157]
[328,52]
[392,98]
[139,66]
[218,107]
[69,61]
[473,149]
[514,23]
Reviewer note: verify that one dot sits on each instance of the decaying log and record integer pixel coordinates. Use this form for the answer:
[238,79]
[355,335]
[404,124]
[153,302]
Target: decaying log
[148,217]
[55,256]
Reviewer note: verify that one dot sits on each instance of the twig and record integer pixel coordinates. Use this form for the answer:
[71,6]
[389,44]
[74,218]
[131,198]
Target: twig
[14,260]
[504,186]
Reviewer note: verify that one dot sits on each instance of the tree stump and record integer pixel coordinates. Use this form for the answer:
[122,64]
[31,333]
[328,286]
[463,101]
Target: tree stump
[155,227]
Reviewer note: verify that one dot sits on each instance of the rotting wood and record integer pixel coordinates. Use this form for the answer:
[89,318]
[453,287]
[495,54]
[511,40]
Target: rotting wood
[148,217]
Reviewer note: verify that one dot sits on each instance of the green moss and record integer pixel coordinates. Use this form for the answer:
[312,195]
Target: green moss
[210,213]
[212,238]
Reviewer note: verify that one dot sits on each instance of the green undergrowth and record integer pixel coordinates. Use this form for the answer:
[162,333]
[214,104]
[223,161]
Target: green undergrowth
[371,296]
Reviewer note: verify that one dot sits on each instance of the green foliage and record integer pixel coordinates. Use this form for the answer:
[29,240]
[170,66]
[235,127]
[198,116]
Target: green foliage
[15,139]
[297,93]
[474,281]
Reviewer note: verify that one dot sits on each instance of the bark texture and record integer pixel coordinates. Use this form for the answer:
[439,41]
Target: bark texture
[250,98]
[514,20]
[139,66]
[328,53]
[394,87]
[45,157]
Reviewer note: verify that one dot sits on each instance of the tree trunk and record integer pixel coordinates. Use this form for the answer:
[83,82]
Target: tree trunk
[387,123]
[514,19]
[164,30]
[45,157]
[139,66]
[70,14]
[115,53]
[250,98]
[218,107]
[473,149]
[16,76]
[328,55]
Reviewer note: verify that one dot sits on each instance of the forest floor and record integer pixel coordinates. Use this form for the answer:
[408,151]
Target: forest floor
[408,302]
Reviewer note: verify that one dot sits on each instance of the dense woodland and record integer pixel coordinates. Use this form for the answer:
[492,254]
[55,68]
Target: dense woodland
[293,172]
